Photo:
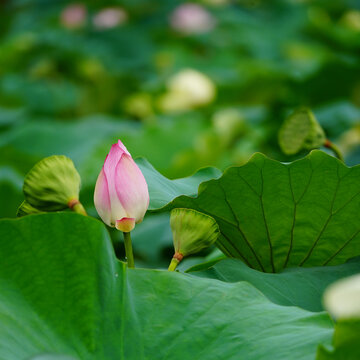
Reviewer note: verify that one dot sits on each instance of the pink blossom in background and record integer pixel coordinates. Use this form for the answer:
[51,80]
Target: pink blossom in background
[191,19]
[109,18]
[73,16]
[121,194]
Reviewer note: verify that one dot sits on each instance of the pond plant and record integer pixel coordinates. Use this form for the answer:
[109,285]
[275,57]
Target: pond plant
[283,231]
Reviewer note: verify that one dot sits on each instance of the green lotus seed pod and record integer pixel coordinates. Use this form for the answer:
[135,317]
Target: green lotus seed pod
[301,131]
[52,184]
[192,232]
[26,209]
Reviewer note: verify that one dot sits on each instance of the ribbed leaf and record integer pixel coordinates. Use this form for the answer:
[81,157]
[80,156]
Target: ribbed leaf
[303,287]
[163,190]
[62,292]
[274,215]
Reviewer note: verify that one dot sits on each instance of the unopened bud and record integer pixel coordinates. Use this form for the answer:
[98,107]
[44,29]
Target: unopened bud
[192,232]
[52,184]
[26,209]
[301,131]
[121,193]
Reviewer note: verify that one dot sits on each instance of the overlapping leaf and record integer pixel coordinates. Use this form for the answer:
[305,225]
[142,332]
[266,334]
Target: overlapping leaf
[303,287]
[63,295]
[274,215]
[163,190]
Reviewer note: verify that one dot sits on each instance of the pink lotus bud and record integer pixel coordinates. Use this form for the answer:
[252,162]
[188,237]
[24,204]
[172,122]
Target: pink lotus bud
[121,194]
[191,18]
[74,16]
[109,18]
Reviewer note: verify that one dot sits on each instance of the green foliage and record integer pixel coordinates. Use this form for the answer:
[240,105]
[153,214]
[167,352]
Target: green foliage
[63,292]
[264,59]
[74,89]
[10,191]
[273,215]
[302,287]
[163,190]
[345,342]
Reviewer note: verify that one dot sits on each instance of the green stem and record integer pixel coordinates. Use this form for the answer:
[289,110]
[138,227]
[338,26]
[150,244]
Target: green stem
[173,264]
[78,208]
[330,145]
[75,205]
[129,250]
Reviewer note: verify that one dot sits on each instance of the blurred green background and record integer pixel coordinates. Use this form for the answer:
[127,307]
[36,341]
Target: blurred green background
[184,84]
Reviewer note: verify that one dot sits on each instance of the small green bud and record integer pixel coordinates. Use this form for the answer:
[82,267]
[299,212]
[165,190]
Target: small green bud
[26,209]
[301,131]
[52,184]
[192,232]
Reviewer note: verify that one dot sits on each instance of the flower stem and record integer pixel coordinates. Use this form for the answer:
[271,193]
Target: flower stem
[173,264]
[75,205]
[330,145]
[78,208]
[129,250]
[175,261]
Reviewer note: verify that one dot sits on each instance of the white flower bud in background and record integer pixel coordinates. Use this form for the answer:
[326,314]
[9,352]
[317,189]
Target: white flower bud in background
[342,299]
[187,89]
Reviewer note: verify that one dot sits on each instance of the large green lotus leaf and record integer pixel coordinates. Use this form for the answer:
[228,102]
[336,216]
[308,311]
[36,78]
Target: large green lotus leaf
[301,287]
[163,190]
[274,215]
[63,292]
